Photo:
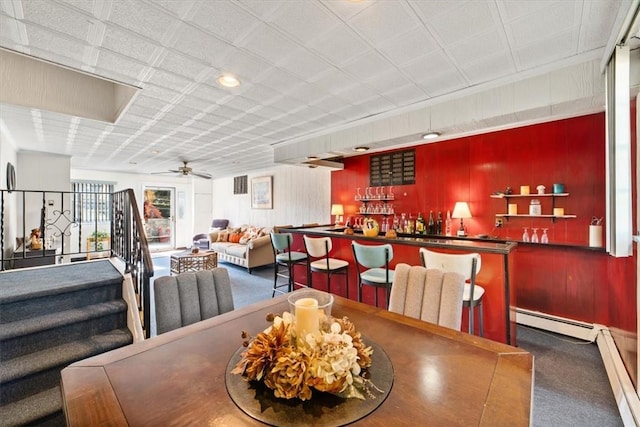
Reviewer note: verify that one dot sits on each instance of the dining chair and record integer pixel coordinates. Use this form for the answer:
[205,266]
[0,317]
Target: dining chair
[431,295]
[318,249]
[285,261]
[372,266]
[191,297]
[469,266]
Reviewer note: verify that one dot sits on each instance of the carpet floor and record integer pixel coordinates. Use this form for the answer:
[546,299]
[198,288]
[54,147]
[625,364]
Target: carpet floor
[571,386]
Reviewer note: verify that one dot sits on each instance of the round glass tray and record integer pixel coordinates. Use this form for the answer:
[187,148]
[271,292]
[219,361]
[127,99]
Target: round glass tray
[323,409]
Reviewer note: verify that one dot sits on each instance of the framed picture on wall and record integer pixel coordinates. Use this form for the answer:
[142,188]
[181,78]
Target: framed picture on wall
[262,192]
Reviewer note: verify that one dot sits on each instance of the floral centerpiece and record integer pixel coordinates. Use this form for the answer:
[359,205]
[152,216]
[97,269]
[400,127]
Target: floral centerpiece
[333,359]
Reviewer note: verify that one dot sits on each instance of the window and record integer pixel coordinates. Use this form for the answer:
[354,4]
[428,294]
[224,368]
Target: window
[91,201]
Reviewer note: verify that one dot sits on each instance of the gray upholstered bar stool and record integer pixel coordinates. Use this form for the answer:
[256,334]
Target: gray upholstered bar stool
[318,248]
[469,266]
[372,266]
[286,260]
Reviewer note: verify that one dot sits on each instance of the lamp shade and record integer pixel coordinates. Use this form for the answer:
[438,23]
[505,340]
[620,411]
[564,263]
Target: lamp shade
[461,210]
[337,209]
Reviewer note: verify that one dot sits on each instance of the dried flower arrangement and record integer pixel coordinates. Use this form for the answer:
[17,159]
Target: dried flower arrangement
[334,360]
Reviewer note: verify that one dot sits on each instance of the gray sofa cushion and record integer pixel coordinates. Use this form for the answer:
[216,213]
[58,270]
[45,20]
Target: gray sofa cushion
[236,250]
[191,297]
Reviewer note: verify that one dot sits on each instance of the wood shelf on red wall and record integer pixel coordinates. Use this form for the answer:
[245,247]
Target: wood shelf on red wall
[535,216]
[553,205]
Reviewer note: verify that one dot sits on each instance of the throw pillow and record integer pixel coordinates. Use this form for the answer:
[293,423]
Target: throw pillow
[223,236]
[234,237]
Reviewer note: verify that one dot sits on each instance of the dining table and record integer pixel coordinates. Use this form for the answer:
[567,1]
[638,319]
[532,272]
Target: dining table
[439,376]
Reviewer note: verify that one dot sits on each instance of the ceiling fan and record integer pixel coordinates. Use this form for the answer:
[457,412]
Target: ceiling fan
[186,170]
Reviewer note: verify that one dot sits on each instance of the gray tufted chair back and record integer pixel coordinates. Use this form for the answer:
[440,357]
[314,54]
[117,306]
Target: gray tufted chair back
[191,297]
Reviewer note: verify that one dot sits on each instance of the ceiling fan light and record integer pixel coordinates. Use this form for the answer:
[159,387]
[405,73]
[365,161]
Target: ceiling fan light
[431,135]
[228,80]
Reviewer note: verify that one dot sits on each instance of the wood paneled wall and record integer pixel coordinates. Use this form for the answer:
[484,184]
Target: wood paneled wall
[563,280]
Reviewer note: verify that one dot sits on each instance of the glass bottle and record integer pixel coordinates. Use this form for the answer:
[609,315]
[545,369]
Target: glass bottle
[403,222]
[439,223]
[358,195]
[431,229]
[411,227]
[420,224]
[545,237]
[534,236]
[525,235]
[447,224]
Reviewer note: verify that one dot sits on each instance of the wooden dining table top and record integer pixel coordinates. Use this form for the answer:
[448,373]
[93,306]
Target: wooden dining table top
[441,376]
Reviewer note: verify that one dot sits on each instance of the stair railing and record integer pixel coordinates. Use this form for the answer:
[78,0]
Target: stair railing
[129,243]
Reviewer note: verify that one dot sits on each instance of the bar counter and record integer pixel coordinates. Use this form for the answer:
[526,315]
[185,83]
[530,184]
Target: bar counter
[495,275]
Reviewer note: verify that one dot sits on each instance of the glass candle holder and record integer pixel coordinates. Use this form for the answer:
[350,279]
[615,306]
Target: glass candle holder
[310,309]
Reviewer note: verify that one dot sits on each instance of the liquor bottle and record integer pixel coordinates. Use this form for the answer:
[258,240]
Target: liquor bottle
[447,224]
[432,224]
[411,225]
[420,224]
[439,223]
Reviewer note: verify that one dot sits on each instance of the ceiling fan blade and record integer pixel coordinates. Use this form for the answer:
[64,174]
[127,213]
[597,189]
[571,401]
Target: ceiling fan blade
[202,175]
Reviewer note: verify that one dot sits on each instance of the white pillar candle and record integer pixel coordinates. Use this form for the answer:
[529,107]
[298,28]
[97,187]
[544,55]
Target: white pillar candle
[307,317]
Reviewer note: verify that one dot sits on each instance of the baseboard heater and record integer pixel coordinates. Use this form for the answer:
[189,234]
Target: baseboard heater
[625,394]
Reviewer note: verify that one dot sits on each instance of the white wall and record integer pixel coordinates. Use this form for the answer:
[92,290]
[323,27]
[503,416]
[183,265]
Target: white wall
[184,225]
[300,195]
[8,154]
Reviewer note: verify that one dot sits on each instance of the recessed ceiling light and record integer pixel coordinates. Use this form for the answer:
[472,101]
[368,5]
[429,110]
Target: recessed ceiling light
[228,80]
[361,149]
[155,152]
[312,158]
[431,135]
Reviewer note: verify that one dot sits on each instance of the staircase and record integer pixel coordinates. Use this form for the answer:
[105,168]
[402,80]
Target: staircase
[49,318]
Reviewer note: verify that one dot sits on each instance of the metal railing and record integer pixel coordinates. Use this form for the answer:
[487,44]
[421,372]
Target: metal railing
[48,228]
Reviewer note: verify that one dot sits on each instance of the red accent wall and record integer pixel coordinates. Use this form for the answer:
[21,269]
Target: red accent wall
[578,283]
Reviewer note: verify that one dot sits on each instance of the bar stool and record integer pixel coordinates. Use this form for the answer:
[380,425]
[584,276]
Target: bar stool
[468,265]
[374,262]
[285,257]
[319,248]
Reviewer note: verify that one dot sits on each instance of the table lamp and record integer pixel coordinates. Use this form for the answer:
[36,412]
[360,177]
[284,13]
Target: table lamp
[461,210]
[338,211]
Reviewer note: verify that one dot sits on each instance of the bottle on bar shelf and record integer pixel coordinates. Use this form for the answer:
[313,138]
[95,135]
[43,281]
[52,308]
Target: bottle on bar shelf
[447,224]
[420,224]
[432,224]
[439,223]
[411,225]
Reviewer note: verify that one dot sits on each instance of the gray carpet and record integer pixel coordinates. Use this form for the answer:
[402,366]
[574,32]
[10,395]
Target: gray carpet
[571,386]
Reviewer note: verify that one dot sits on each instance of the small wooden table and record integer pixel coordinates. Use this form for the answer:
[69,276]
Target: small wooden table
[441,377]
[189,261]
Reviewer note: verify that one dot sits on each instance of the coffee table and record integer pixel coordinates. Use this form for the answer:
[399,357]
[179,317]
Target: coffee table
[189,261]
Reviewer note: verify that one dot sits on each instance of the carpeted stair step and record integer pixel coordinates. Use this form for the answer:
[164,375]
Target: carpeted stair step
[35,292]
[51,330]
[29,374]
[42,409]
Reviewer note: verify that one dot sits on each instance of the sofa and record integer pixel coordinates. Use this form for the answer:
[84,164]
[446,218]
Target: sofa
[246,246]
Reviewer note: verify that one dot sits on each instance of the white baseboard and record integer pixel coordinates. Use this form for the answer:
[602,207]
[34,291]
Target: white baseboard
[626,397]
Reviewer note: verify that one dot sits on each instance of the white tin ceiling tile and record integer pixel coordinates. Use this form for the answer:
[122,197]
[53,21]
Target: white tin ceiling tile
[467,19]
[304,64]
[537,54]
[376,105]
[245,65]
[224,19]
[597,22]
[334,81]
[405,95]
[9,30]
[308,92]
[194,103]
[56,46]
[516,9]
[279,79]
[330,103]
[384,20]
[240,103]
[357,93]
[85,6]
[169,80]
[202,46]
[489,68]
[183,65]
[474,49]
[58,18]
[409,46]
[304,20]
[258,93]
[210,93]
[443,83]
[126,43]
[425,67]
[260,8]
[266,42]
[368,66]
[545,23]
[150,103]
[178,8]
[159,92]
[347,9]
[141,18]
[119,64]
[339,45]
[387,81]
